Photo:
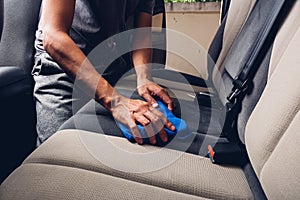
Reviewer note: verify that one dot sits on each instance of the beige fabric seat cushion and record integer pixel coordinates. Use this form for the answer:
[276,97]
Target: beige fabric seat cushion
[71,154]
[43,181]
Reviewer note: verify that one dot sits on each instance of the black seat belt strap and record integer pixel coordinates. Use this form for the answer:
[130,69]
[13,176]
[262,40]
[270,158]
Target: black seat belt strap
[225,8]
[264,37]
[251,45]
[250,59]
[263,41]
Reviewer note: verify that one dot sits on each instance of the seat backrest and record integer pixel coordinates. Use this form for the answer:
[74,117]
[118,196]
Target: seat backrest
[272,133]
[17,116]
[226,69]
[231,25]
[235,19]
[20,23]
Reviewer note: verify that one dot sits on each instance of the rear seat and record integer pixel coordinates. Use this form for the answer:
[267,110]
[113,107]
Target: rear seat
[73,164]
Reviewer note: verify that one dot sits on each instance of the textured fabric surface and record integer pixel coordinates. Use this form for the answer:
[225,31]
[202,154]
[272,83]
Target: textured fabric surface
[66,183]
[280,175]
[273,144]
[284,36]
[279,104]
[187,173]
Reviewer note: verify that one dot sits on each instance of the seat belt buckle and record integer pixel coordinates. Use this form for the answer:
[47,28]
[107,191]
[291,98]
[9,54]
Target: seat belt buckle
[239,86]
[228,154]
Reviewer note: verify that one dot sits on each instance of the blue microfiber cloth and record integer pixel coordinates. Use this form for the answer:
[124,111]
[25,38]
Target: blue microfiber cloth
[181,132]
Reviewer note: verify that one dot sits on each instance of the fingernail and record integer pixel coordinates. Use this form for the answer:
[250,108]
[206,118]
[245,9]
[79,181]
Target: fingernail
[153,141]
[165,139]
[154,105]
[139,140]
[173,128]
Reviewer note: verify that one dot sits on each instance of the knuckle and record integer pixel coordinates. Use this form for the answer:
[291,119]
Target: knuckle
[160,90]
[165,121]
[161,116]
[146,122]
[162,133]
[132,127]
[169,100]
[142,90]
[155,119]
[169,124]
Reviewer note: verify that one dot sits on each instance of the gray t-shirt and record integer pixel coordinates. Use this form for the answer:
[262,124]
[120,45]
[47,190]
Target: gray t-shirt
[96,20]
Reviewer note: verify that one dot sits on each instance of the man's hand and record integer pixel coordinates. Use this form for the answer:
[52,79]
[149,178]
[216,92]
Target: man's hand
[130,112]
[148,89]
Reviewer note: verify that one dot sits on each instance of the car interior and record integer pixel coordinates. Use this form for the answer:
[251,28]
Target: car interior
[81,161]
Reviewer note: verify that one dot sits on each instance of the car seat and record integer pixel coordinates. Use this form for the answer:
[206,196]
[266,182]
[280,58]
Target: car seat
[76,164]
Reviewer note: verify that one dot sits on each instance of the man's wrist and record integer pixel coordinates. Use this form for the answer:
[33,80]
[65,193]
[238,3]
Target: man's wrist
[143,73]
[107,96]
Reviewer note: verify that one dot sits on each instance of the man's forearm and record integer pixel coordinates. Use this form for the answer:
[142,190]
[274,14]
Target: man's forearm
[142,55]
[73,61]
[142,64]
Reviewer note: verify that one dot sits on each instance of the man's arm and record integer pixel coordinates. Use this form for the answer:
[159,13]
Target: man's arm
[142,59]
[57,17]
[56,21]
